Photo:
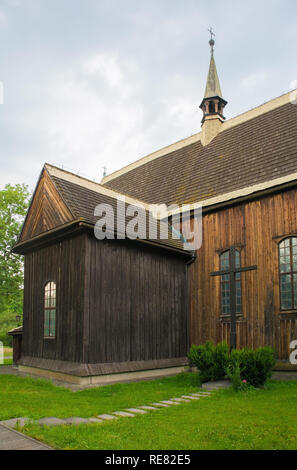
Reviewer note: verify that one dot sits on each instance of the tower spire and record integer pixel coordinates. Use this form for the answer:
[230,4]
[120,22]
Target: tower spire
[213,103]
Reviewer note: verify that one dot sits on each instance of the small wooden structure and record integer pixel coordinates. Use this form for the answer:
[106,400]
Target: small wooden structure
[94,308]
[17,336]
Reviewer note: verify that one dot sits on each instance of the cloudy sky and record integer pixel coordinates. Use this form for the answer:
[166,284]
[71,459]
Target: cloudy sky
[94,83]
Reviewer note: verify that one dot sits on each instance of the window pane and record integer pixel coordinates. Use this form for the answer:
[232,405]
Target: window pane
[225,297]
[50,309]
[237,259]
[294,262]
[52,322]
[286,292]
[225,283]
[225,260]
[46,323]
[285,264]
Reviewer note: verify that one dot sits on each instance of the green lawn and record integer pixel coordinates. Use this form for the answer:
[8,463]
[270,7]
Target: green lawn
[34,398]
[260,419]
[6,362]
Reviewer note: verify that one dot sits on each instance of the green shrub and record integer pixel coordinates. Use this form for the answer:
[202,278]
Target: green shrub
[245,367]
[233,373]
[211,360]
[256,365]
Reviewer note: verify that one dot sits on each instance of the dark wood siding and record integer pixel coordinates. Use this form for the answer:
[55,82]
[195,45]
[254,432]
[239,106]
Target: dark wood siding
[117,302]
[63,263]
[255,228]
[137,303]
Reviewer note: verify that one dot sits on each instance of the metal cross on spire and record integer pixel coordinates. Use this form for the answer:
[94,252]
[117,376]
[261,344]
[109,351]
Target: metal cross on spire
[212,41]
[212,34]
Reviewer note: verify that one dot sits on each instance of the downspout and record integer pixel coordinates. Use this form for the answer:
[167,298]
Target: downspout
[191,261]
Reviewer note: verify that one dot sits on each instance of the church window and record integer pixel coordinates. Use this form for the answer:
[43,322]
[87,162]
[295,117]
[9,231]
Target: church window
[211,107]
[226,283]
[50,310]
[288,273]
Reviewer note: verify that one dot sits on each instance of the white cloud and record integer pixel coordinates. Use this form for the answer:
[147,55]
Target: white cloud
[3,17]
[254,80]
[106,66]
[80,126]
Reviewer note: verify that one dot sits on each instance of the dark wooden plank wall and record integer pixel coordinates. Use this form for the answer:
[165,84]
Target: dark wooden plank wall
[255,227]
[63,263]
[137,304]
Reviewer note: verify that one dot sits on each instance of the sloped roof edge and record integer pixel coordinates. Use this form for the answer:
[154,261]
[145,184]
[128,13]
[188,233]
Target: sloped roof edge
[92,185]
[235,121]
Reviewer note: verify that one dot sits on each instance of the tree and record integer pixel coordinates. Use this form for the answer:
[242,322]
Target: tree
[14,201]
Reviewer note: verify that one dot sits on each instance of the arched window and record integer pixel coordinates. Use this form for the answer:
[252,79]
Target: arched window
[50,310]
[288,273]
[226,283]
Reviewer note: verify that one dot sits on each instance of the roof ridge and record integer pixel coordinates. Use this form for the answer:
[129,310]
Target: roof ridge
[259,110]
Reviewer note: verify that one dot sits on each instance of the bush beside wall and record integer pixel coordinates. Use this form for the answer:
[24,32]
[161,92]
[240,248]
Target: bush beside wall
[214,362]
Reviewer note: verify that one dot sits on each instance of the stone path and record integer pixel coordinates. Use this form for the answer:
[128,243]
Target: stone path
[127,413]
[11,439]
[14,440]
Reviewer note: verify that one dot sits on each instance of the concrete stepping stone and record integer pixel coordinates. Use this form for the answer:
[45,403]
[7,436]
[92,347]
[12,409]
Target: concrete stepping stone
[147,407]
[123,414]
[52,421]
[181,400]
[94,420]
[189,397]
[219,384]
[11,423]
[106,417]
[136,410]
[201,395]
[75,420]
[169,402]
[161,405]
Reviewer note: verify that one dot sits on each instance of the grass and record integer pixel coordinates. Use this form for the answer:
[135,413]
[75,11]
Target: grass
[256,420]
[35,398]
[7,362]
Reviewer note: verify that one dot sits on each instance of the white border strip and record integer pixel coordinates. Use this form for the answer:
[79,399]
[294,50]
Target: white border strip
[243,192]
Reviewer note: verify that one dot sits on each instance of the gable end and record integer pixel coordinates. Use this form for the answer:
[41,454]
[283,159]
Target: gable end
[47,210]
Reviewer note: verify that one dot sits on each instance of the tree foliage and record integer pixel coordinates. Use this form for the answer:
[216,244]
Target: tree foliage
[14,202]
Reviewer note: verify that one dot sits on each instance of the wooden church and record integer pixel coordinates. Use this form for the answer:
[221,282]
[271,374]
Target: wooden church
[95,309]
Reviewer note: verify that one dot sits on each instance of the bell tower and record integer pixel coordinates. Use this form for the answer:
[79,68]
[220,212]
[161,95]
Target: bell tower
[213,103]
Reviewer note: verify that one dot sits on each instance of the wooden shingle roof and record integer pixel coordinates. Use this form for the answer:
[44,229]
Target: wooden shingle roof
[62,198]
[250,151]
[83,200]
